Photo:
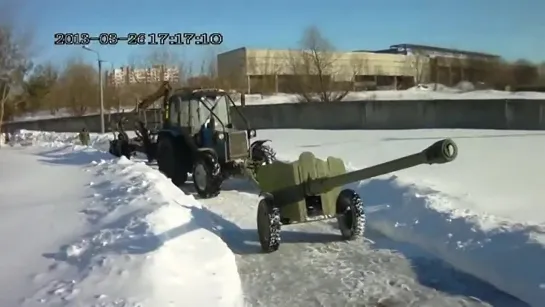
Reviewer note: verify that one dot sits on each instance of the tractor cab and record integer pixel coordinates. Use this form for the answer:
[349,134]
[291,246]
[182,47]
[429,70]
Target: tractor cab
[204,114]
[196,136]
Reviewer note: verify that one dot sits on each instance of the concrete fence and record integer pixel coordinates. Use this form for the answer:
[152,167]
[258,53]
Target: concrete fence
[467,114]
[76,123]
[423,114]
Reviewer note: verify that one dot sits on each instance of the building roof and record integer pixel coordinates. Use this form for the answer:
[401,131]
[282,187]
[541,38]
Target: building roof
[449,50]
[188,93]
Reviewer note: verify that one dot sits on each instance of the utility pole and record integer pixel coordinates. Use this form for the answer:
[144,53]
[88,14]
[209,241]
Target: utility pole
[101,88]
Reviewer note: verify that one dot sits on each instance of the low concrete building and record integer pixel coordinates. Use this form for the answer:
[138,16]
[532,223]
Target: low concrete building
[260,70]
[266,70]
[446,65]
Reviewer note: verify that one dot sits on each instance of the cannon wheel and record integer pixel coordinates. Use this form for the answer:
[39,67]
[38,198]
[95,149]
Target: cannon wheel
[350,214]
[207,177]
[268,225]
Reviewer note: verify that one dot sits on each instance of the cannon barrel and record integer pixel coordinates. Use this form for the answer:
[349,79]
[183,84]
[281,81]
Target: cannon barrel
[443,151]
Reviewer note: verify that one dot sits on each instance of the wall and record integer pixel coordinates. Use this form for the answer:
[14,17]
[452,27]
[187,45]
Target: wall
[469,114]
[75,124]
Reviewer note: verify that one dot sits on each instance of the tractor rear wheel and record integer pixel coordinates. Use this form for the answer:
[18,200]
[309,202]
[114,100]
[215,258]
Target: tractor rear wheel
[207,176]
[350,214]
[169,161]
[268,225]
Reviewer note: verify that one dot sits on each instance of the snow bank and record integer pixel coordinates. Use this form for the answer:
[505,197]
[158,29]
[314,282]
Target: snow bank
[25,137]
[481,213]
[148,243]
[508,256]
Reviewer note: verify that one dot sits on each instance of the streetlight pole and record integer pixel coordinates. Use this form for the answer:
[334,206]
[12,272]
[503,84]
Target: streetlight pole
[101,86]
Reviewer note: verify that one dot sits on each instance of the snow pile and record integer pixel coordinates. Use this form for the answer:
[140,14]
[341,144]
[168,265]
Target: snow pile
[461,87]
[482,213]
[508,255]
[142,241]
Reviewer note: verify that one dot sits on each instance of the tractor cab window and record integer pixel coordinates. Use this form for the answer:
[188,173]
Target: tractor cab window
[174,111]
[220,107]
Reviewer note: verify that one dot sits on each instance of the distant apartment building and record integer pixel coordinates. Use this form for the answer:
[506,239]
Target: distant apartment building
[130,75]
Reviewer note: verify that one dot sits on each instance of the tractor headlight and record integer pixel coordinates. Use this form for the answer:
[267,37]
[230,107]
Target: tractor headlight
[221,136]
[251,133]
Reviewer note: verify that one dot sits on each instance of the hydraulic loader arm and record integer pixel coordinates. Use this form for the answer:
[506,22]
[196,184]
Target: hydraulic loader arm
[163,91]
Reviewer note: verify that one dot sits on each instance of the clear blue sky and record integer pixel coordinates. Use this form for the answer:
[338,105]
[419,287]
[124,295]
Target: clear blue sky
[513,29]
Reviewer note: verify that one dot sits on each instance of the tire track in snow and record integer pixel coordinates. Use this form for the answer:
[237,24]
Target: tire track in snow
[313,267]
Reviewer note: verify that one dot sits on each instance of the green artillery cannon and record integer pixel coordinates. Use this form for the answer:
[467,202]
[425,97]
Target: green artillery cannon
[311,189]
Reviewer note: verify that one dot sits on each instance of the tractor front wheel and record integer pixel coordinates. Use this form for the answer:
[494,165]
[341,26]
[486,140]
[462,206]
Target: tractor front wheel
[169,162]
[350,214]
[268,225]
[207,176]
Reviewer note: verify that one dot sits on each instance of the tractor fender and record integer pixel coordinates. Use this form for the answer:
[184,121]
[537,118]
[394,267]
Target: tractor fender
[266,195]
[211,151]
[162,134]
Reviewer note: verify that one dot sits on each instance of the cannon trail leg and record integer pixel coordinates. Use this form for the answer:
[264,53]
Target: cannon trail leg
[350,215]
[268,225]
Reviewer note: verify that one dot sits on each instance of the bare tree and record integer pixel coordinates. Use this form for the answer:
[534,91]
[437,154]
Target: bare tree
[207,74]
[541,72]
[76,88]
[419,64]
[314,68]
[38,87]
[14,63]
[525,72]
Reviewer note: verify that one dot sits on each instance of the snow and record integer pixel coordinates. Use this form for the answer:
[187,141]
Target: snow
[482,213]
[464,90]
[419,92]
[82,229]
